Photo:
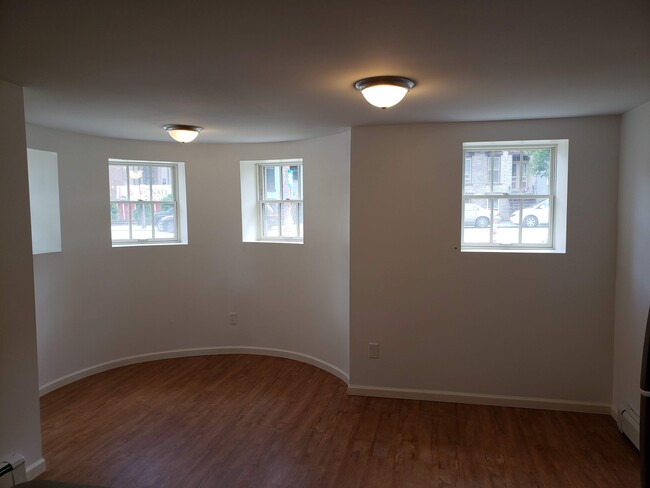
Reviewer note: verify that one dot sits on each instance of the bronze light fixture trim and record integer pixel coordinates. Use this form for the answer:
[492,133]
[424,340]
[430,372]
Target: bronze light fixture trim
[183,133]
[384,91]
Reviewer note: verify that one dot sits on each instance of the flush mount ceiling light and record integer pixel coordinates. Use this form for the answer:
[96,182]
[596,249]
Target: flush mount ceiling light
[384,91]
[183,133]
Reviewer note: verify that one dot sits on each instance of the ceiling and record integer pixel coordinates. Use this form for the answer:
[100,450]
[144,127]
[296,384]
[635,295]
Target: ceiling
[276,70]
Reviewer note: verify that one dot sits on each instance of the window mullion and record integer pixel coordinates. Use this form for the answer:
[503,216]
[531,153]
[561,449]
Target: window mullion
[521,171]
[151,205]
[130,222]
[521,220]
[258,203]
[492,223]
[491,172]
[153,227]
[280,217]
[297,219]
[128,195]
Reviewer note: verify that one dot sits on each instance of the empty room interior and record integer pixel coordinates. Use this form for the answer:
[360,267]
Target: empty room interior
[323,243]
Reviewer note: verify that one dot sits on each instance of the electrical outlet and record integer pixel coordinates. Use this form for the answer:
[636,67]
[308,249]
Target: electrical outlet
[232,318]
[373,350]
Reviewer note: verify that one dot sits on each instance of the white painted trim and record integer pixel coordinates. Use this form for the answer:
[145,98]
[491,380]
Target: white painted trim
[201,351]
[35,469]
[480,399]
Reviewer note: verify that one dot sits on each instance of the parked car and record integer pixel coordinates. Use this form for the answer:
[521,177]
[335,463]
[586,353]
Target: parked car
[158,216]
[166,224]
[533,216]
[476,216]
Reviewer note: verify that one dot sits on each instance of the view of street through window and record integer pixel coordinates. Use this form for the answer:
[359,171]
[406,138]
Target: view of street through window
[508,198]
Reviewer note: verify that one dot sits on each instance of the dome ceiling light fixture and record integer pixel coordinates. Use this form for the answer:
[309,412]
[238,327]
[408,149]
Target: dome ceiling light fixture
[384,91]
[183,133]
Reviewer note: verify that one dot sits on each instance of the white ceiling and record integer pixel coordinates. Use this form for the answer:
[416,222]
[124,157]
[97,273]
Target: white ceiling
[274,70]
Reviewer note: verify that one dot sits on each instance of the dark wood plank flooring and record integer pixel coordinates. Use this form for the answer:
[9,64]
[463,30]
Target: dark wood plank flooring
[254,421]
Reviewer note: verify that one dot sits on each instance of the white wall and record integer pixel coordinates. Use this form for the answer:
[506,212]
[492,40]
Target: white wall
[528,325]
[19,408]
[96,303]
[633,265]
[524,325]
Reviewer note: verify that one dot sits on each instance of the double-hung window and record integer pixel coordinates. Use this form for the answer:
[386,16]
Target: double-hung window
[143,202]
[280,200]
[510,202]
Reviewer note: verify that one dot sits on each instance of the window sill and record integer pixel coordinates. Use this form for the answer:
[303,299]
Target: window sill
[511,250]
[148,244]
[269,241]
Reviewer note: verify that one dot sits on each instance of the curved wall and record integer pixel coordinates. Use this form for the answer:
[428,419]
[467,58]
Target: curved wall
[98,305]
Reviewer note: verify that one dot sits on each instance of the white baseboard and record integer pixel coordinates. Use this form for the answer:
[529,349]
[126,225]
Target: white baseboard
[35,469]
[481,399]
[362,390]
[202,351]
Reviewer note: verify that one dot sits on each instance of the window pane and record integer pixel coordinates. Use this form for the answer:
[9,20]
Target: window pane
[139,177]
[162,184]
[529,170]
[120,221]
[535,235]
[477,179]
[271,220]
[535,221]
[535,212]
[141,221]
[476,221]
[271,182]
[291,220]
[505,232]
[497,183]
[291,182]
[117,182]
[537,164]
[164,221]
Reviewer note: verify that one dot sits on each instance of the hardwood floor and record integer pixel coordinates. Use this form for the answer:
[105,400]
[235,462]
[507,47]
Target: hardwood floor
[254,421]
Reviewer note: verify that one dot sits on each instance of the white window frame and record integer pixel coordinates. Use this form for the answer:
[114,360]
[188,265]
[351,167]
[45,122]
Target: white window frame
[43,172]
[180,230]
[260,185]
[467,171]
[495,169]
[557,192]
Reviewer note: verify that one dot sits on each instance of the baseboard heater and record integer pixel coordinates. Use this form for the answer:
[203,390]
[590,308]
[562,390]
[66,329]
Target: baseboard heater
[12,471]
[630,425]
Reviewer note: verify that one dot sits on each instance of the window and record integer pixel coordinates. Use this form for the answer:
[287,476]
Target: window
[43,171]
[272,202]
[280,200]
[526,212]
[144,202]
[496,169]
